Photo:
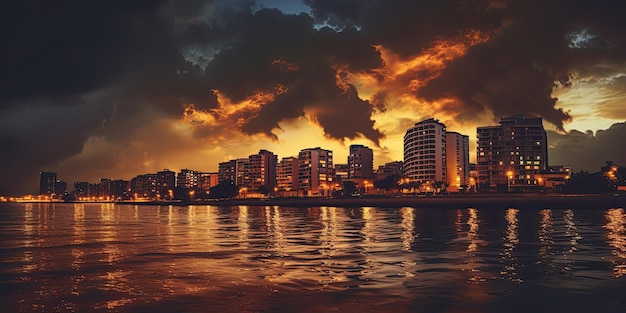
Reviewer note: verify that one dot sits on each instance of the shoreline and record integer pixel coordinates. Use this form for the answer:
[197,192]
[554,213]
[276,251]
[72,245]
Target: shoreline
[519,201]
[537,201]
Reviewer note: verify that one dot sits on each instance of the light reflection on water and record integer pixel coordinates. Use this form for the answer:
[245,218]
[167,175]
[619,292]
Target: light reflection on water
[84,257]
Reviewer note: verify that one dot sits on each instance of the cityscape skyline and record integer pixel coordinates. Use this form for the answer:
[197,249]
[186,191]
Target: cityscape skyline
[511,156]
[114,89]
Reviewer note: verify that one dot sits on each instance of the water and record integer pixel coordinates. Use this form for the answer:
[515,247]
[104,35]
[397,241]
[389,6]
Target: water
[126,258]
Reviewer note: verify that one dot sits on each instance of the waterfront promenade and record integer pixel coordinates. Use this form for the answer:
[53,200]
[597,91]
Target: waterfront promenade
[483,201]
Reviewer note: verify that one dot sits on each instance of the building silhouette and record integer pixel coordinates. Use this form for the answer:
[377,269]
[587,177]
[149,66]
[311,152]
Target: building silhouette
[360,162]
[46,183]
[227,171]
[511,156]
[165,184]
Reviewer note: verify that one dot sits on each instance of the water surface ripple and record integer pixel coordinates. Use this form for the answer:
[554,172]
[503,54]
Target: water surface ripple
[127,258]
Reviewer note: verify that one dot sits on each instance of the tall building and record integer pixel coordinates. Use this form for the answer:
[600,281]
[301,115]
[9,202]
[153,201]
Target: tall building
[46,183]
[315,173]
[187,178]
[144,186]
[425,152]
[166,183]
[226,171]
[360,162]
[81,189]
[512,155]
[240,171]
[457,159]
[287,176]
[260,170]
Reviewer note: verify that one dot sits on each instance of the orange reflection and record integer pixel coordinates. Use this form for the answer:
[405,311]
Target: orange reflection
[244,226]
[408,228]
[616,222]
[545,234]
[511,240]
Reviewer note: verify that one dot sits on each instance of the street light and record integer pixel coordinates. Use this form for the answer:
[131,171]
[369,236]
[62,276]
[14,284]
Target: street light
[509,176]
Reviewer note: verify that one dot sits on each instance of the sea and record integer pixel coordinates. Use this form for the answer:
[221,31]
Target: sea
[106,257]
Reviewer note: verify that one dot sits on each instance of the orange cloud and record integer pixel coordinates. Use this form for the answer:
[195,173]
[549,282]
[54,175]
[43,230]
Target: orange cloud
[229,113]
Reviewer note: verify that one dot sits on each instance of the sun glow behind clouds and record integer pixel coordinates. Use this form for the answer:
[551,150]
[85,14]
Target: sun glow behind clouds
[392,89]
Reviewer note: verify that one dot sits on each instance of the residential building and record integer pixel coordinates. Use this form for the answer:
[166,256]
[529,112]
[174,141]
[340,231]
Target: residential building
[512,155]
[46,183]
[227,171]
[389,169]
[208,180]
[457,161]
[187,178]
[315,172]
[360,162]
[144,186]
[342,172]
[260,170]
[166,184]
[287,176]
[425,152]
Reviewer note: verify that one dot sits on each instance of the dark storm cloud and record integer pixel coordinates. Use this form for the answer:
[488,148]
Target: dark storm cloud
[517,70]
[588,151]
[95,66]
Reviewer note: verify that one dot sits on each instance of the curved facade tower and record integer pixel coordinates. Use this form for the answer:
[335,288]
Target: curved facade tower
[425,152]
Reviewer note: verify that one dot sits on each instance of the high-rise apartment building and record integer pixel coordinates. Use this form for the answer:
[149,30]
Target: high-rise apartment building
[425,152]
[287,176]
[315,174]
[226,171]
[166,184]
[457,161]
[360,162]
[46,183]
[512,155]
[260,170]
[187,178]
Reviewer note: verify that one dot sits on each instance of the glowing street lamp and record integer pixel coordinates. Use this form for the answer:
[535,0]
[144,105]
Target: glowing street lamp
[509,176]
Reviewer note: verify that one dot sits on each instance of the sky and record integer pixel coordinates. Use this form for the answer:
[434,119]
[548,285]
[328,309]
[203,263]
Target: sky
[114,89]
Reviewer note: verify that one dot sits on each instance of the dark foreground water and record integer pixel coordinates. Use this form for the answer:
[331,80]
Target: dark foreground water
[125,258]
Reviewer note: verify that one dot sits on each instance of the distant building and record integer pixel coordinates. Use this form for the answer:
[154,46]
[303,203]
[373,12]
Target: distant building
[315,175]
[208,180]
[389,169]
[260,170]
[187,178]
[166,184]
[144,186]
[240,171]
[46,183]
[360,162]
[554,177]
[512,155]
[287,176]
[227,171]
[60,189]
[457,161]
[81,190]
[425,152]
